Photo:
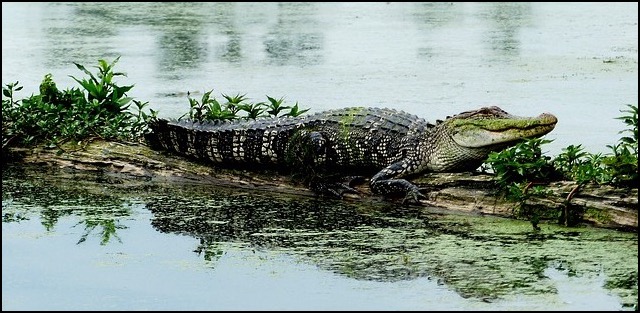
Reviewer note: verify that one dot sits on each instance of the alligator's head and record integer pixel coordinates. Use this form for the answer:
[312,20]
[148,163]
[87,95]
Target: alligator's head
[492,127]
[466,139]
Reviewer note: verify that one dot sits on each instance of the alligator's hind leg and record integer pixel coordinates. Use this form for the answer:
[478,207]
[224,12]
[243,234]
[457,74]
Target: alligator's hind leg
[384,183]
[310,154]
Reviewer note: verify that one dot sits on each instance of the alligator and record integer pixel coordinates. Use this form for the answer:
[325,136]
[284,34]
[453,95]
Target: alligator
[388,144]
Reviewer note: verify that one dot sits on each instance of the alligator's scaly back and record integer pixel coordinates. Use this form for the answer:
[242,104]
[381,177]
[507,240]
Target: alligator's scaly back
[357,137]
[392,143]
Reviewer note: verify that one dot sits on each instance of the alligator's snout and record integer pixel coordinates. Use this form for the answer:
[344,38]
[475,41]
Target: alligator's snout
[548,118]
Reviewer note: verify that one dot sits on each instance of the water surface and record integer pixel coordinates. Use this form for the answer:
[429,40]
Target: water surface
[578,61]
[102,243]
[113,243]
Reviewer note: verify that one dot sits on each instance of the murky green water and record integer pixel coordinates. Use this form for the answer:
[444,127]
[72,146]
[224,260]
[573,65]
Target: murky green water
[103,243]
[110,243]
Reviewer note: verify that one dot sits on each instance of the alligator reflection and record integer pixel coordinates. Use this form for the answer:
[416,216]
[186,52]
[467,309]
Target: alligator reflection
[475,256]
[268,222]
[317,227]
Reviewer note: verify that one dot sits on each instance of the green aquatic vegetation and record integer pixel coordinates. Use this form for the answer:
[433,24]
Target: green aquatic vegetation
[619,168]
[571,158]
[208,109]
[102,89]
[523,162]
[630,118]
[100,110]
[236,107]
[296,111]
[484,258]
[275,106]
[522,171]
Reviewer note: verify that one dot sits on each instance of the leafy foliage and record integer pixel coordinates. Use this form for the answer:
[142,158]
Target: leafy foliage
[622,164]
[102,90]
[236,107]
[520,172]
[99,110]
[522,166]
[523,162]
[619,168]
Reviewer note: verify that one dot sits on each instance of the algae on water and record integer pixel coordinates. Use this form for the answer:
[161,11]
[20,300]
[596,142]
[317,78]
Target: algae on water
[479,257]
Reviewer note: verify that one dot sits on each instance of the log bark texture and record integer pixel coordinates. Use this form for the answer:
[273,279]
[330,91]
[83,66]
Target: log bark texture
[603,206]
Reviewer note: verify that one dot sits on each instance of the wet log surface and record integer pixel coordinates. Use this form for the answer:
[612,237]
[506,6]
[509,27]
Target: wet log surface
[475,193]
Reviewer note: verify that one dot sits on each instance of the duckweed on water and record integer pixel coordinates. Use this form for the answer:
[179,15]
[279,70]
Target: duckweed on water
[478,257]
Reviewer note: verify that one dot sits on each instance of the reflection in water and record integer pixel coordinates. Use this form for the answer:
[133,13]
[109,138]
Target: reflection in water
[98,213]
[224,22]
[430,16]
[91,26]
[505,21]
[181,49]
[180,33]
[477,257]
[181,39]
[94,27]
[295,39]
[232,51]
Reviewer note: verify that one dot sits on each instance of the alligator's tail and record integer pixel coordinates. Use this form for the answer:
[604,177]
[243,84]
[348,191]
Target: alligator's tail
[158,127]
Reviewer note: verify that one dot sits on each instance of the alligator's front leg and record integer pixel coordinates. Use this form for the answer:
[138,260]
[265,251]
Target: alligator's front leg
[384,183]
[310,153]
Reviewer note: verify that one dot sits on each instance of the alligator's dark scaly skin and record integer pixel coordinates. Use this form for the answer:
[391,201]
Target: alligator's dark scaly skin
[392,144]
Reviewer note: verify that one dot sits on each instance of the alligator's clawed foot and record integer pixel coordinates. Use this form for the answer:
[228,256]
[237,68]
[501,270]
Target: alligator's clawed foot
[331,189]
[413,195]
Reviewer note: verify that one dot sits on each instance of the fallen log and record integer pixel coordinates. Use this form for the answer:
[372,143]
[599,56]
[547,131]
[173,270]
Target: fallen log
[602,206]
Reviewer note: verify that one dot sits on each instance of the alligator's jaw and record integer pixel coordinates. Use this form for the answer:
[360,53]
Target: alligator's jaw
[500,131]
[462,142]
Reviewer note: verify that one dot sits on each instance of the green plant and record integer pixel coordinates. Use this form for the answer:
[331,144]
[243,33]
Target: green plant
[631,119]
[571,157]
[295,111]
[253,110]
[275,106]
[234,102]
[590,169]
[520,173]
[102,90]
[9,113]
[207,109]
[622,164]
[99,110]
[620,167]
[523,162]
[236,107]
